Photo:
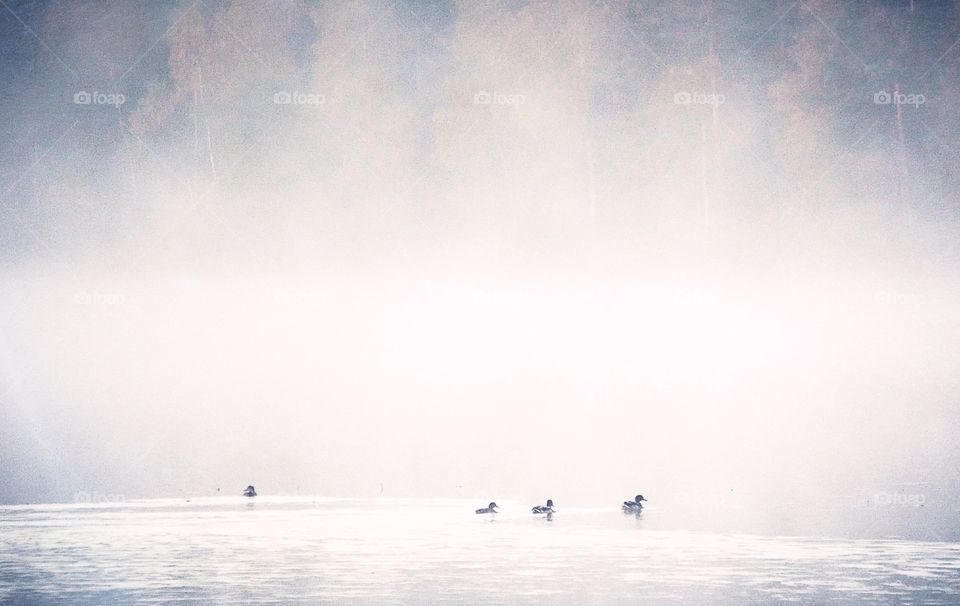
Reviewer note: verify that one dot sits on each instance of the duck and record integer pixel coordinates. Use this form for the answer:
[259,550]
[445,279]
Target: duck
[250,491]
[491,508]
[547,509]
[634,506]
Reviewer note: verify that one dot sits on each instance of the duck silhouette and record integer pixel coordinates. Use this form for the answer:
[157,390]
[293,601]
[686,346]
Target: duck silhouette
[547,509]
[491,508]
[634,506]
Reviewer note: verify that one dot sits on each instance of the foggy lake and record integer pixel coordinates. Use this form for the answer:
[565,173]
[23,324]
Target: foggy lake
[413,256]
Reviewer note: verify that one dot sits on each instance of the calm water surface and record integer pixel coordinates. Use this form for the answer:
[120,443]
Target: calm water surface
[334,551]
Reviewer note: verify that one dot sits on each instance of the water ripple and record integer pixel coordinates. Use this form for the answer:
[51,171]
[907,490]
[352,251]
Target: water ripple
[319,551]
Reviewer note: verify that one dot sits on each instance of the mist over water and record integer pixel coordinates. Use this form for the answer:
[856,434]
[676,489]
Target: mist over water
[703,250]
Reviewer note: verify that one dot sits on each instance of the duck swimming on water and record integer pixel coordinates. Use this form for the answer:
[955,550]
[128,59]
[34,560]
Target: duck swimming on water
[547,509]
[634,506]
[491,508]
[250,491]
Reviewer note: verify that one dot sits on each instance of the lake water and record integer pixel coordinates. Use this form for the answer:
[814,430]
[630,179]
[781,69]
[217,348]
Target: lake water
[348,551]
